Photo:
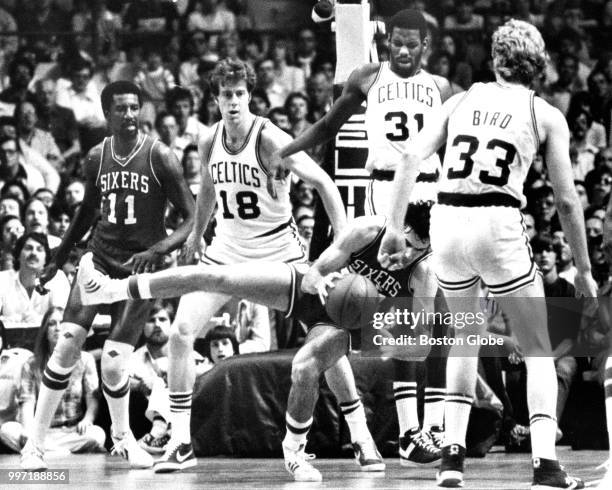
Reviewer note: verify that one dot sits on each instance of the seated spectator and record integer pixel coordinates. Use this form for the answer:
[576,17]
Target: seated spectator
[286,74]
[598,183]
[252,327]
[579,124]
[21,72]
[565,259]
[179,102]
[60,217]
[148,375]
[319,91]
[11,229]
[209,110]
[211,16]
[455,47]
[303,194]
[17,191]
[13,170]
[167,129]
[305,225]
[9,206]
[192,165]
[74,193]
[604,158]
[37,139]
[559,93]
[81,96]
[544,210]
[220,342]
[155,80]
[46,196]
[259,104]
[529,225]
[72,426]
[197,51]
[22,303]
[266,81]
[11,363]
[152,17]
[297,108]
[36,219]
[464,18]
[582,193]
[280,117]
[306,50]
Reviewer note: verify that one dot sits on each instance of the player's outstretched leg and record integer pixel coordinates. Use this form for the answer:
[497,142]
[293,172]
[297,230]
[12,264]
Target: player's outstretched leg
[527,311]
[324,346]
[416,447]
[341,382]
[55,379]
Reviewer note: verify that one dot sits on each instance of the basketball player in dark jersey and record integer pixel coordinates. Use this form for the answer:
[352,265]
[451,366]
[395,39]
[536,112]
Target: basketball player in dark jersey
[297,289]
[130,177]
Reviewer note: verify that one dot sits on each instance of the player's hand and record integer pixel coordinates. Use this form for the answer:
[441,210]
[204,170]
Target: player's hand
[322,286]
[146,261]
[585,285]
[277,174]
[392,253]
[83,425]
[191,250]
[45,276]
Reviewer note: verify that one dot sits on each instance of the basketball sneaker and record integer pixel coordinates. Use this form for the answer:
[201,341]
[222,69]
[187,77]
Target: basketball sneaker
[96,287]
[436,434]
[296,463]
[154,445]
[417,449]
[548,474]
[33,458]
[368,457]
[128,449]
[178,456]
[451,467]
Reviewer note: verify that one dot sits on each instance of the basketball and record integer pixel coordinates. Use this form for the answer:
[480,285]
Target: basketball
[352,302]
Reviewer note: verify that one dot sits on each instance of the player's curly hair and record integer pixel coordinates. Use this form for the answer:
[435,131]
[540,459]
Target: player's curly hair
[418,216]
[518,52]
[232,71]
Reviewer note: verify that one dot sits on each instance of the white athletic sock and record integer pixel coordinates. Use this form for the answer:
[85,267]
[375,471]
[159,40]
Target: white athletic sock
[542,402]
[297,432]
[405,394]
[180,415]
[118,399]
[55,380]
[434,408]
[457,415]
[354,414]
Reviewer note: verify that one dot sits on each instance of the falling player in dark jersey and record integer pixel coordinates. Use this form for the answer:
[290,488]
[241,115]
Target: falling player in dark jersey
[296,289]
[130,177]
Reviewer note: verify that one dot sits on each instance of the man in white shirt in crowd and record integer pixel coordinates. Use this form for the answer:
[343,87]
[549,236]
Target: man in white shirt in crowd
[179,102]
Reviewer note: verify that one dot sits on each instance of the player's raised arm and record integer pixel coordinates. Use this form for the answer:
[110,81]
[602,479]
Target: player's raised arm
[557,138]
[424,145]
[205,202]
[357,234]
[306,169]
[84,217]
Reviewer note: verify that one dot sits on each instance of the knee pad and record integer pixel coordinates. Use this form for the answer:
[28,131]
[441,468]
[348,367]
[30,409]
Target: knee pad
[114,366]
[68,348]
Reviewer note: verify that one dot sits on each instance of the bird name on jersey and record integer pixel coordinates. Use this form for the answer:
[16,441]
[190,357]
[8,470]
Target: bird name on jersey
[381,278]
[406,90]
[486,118]
[235,173]
[124,179]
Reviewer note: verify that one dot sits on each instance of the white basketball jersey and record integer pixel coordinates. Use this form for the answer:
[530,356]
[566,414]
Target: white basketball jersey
[245,209]
[492,140]
[397,109]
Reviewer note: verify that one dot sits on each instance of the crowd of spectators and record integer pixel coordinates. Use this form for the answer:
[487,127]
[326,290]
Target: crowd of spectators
[52,70]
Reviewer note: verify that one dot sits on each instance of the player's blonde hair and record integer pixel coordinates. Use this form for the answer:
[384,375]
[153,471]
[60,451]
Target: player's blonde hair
[518,52]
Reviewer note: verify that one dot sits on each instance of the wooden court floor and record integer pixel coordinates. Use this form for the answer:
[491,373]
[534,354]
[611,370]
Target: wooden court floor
[497,471]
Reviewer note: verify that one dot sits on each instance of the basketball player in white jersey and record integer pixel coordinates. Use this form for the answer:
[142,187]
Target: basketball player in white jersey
[402,98]
[492,135]
[251,226]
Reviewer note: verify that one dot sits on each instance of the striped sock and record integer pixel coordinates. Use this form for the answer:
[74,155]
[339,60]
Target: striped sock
[55,380]
[354,414]
[456,417]
[405,394]
[180,415]
[543,428]
[297,432]
[434,408]
[139,286]
[608,394]
[118,399]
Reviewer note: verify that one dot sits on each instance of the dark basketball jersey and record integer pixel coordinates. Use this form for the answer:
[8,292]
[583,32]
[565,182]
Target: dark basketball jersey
[388,283]
[132,201]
